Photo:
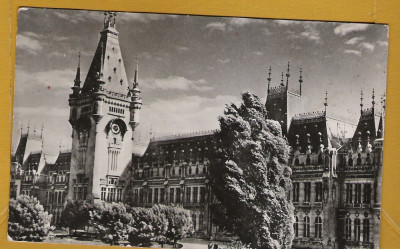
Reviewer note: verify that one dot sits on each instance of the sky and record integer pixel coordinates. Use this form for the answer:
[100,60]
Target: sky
[190,67]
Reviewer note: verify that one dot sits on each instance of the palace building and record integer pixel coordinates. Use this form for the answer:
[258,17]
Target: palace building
[336,165]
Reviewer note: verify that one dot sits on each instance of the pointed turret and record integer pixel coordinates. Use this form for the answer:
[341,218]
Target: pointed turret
[136,101]
[300,80]
[287,75]
[361,103]
[269,80]
[326,100]
[77,81]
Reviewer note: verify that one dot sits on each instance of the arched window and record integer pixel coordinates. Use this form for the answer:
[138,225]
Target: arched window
[190,170]
[297,161]
[306,231]
[348,228]
[173,171]
[204,170]
[350,162]
[296,227]
[368,160]
[194,221]
[318,227]
[201,220]
[197,170]
[357,229]
[308,160]
[320,161]
[359,159]
[366,230]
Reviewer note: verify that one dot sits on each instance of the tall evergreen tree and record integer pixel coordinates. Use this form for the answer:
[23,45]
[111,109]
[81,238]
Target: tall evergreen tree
[250,178]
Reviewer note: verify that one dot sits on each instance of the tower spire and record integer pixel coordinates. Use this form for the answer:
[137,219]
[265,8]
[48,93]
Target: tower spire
[287,75]
[361,103]
[109,19]
[282,80]
[300,79]
[373,98]
[269,78]
[135,80]
[77,81]
[326,100]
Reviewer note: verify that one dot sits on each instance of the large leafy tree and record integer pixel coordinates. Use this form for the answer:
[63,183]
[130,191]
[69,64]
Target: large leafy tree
[27,219]
[180,223]
[76,214]
[148,226]
[250,178]
[112,221]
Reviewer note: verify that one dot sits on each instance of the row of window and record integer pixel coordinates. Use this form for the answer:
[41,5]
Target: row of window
[80,193]
[308,160]
[111,194]
[158,195]
[57,197]
[307,191]
[161,172]
[368,160]
[354,193]
[306,227]
[356,236]
[116,110]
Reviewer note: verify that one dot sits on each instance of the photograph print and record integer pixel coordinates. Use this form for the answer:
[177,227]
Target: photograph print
[183,131]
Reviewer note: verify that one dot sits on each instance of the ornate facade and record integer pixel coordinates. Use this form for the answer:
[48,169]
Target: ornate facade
[336,165]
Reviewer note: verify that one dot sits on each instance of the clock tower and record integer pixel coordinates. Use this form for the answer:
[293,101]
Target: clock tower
[104,113]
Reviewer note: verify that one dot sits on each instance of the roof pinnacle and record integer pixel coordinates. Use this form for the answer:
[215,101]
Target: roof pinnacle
[269,78]
[300,79]
[361,103]
[326,100]
[373,97]
[282,80]
[287,75]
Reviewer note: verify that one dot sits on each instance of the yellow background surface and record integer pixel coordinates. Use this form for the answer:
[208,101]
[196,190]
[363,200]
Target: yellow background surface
[372,11]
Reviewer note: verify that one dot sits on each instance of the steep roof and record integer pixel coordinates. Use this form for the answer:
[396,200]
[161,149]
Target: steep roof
[108,61]
[369,127]
[314,128]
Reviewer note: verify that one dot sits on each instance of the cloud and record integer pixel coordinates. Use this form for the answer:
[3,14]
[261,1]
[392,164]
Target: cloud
[355,40]
[224,61]
[286,22]
[143,17]
[182,49]
[258,53]
[28,42]
[59,79]
[185,114]
[367,46]
[351,51]
[311,33]
[346,28]
[239,22]
[42,111]
[177,83]
[382,43]
[266,31]
[216,26]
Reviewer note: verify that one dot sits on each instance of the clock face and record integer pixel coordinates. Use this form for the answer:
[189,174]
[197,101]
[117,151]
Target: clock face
[115,129]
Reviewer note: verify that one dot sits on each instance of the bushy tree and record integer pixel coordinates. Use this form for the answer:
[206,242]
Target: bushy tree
[249,176]
[76,214]
[27,219]
[111,221]
[180,223]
